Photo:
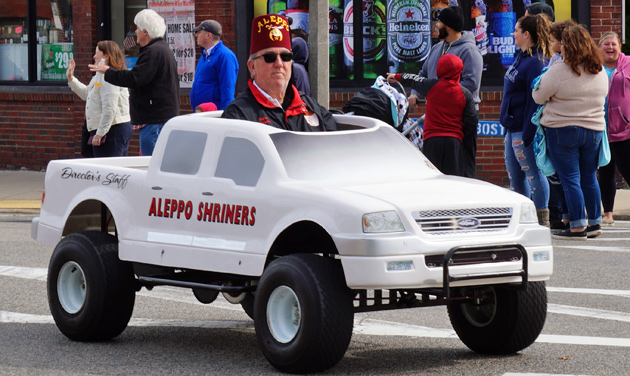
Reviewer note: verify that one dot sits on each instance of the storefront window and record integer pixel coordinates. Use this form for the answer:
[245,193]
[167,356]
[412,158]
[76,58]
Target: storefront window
[49,30]
[397,35]
[124,30]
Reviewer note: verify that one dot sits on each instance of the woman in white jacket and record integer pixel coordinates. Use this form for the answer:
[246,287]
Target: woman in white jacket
[107,106]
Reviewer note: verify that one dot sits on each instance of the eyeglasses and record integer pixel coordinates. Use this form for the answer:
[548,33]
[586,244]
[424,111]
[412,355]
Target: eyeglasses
[271,57]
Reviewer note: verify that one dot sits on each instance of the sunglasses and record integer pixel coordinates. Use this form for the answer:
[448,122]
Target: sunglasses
[271,57]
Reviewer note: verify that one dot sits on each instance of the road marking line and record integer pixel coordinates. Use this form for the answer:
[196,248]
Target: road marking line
[361,326]
[623,293]
[38,274]
[588,312]
[536,374]
[595,248]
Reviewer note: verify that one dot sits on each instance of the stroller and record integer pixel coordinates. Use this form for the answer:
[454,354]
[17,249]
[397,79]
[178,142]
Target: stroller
[387,103]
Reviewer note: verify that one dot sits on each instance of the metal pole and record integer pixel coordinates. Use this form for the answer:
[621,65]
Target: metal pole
[318,66]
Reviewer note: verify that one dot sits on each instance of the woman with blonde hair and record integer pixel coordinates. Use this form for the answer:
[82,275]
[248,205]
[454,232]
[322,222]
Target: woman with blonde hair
[617,67]
[107,105]
[531,35]
[574,92]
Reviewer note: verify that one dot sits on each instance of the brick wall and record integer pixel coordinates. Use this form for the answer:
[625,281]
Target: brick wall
[34,128]
[605,16]
[222,12]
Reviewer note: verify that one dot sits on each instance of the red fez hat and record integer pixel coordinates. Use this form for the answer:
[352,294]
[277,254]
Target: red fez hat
[270,30]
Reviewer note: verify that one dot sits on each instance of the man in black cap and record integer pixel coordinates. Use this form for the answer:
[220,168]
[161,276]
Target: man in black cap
[462,44]
[217,69]
[544,8]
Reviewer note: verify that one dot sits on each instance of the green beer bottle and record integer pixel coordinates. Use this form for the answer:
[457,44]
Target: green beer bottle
[408,34]
[335,34]
[277,7]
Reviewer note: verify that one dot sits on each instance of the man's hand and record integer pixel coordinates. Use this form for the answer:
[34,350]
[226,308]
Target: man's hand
[413,100]
[101,68]
[391,78]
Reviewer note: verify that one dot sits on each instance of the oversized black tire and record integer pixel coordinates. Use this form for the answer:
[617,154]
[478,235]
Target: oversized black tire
[303,313]
[505,321]
[91,292]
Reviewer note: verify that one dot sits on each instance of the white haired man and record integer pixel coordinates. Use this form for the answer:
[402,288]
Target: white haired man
[153,82]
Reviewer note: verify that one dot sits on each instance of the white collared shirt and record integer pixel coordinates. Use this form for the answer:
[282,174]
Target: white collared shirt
[269,97]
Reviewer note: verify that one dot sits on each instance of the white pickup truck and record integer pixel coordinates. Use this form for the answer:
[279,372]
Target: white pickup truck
[301,229]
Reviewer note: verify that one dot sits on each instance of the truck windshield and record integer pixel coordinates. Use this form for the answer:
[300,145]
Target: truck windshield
[380,154]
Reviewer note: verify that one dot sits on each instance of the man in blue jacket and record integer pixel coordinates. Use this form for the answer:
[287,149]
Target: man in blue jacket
[217,69]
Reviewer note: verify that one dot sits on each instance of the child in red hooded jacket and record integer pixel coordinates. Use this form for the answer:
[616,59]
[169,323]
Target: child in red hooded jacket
[450,113]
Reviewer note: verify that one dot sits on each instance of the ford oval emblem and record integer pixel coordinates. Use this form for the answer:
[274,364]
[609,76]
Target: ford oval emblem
[468,223]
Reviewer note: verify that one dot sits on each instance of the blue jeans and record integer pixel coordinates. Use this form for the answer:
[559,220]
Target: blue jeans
[557,203]
[148,137]
[525,176]
[574,152]
[116,143]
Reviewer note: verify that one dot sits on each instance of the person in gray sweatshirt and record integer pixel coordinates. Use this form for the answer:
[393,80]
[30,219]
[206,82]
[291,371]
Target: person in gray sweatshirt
[462,44]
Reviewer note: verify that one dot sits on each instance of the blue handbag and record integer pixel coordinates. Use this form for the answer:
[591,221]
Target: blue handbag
[540,141]
[540,151]
[604,150]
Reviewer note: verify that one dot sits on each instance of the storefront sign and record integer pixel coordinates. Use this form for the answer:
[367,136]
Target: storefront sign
[490,128]
[55,59]
[180,21]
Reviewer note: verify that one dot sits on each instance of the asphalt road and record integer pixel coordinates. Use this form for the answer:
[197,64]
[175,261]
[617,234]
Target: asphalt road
[587,330]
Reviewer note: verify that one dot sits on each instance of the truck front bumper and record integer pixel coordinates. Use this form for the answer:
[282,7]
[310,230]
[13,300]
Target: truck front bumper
[414,271]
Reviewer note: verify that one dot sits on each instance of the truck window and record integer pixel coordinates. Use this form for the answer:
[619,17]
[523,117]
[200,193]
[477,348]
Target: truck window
[183,152]
[241,161]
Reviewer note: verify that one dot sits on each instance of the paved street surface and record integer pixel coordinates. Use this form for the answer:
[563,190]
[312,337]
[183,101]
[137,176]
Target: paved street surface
[587,330]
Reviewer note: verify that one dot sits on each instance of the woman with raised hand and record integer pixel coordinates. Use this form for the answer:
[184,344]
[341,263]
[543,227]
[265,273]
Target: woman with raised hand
[107,106]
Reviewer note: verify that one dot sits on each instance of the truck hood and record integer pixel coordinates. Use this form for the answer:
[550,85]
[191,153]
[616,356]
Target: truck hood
[434,193]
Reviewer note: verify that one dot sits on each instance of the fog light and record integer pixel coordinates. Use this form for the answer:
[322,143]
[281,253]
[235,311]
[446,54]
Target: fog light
[541,256]
[394,266]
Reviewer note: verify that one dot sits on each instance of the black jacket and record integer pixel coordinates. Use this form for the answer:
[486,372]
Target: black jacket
[252,105]
[153,84]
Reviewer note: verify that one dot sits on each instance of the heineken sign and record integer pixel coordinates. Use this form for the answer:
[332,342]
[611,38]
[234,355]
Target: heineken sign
[408,30]
[55,59]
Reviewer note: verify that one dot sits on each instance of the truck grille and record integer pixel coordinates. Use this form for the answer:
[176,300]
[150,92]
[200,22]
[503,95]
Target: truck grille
[459,221]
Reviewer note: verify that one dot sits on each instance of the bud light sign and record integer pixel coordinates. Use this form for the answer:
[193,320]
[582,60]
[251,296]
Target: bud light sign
[501,40]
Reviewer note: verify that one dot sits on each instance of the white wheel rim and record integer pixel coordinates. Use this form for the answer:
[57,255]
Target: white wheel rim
[71,287]
[283,314]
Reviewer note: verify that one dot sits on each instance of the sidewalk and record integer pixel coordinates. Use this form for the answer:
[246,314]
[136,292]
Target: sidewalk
[21,192]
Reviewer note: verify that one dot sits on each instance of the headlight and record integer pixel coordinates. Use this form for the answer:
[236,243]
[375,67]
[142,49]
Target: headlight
[387,221]
[528,213]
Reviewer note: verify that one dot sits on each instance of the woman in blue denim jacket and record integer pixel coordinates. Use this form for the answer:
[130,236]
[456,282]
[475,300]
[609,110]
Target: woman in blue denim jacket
[531,35]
